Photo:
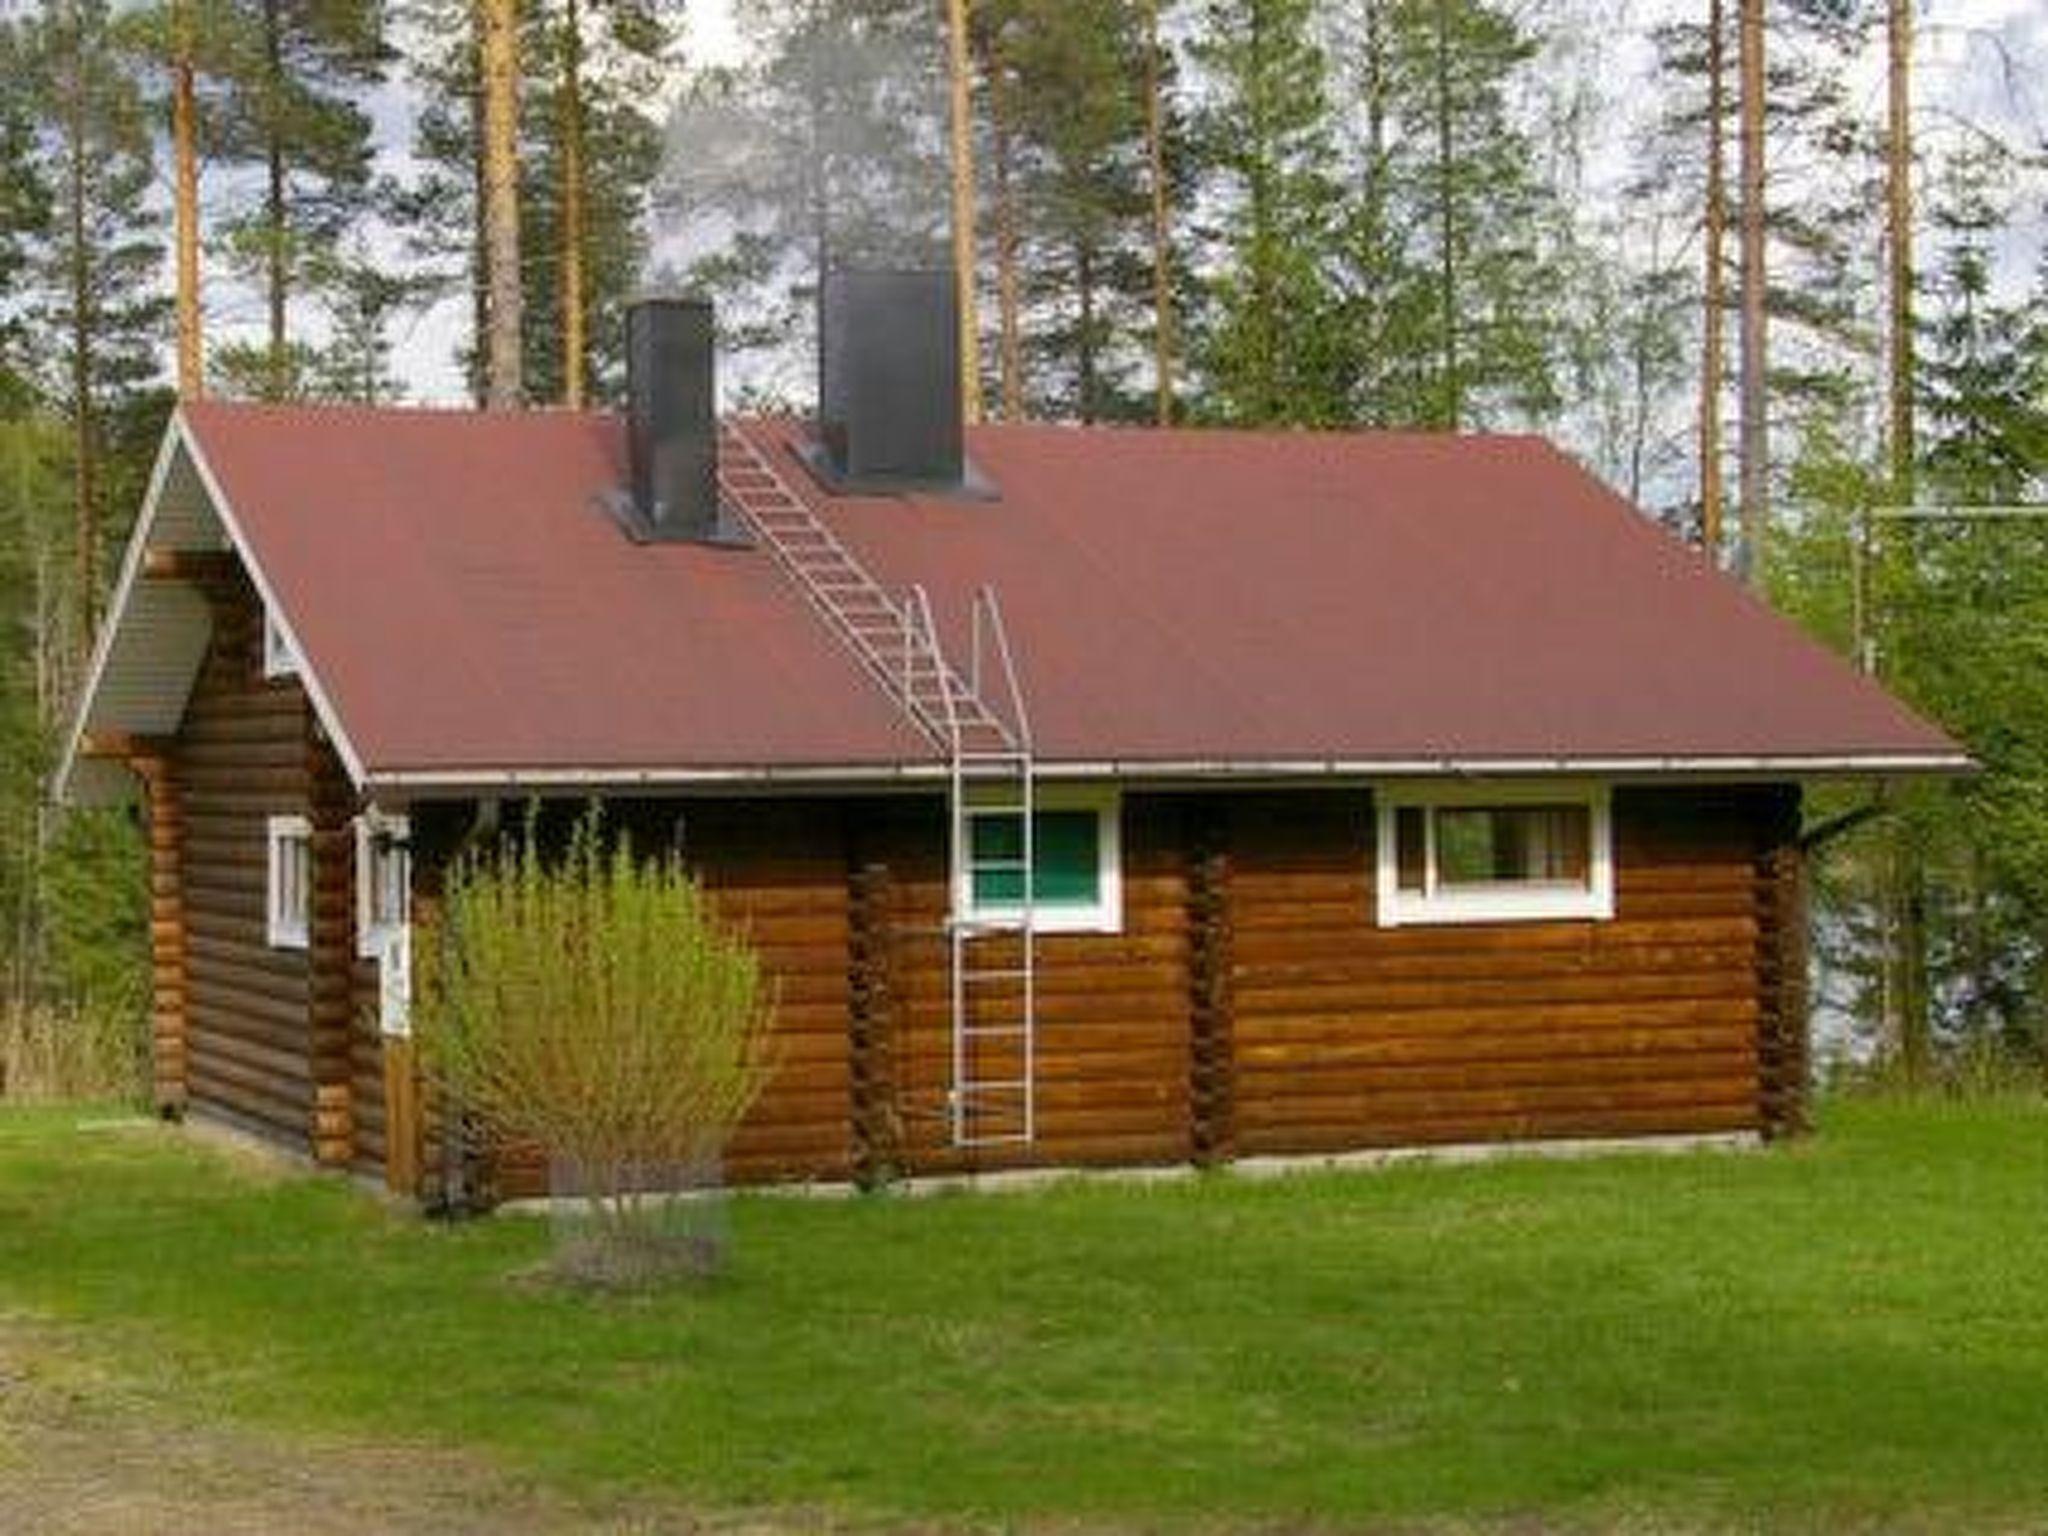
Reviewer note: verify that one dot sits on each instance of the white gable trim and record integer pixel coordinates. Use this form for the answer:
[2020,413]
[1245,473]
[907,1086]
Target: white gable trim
[323,709]
[180,439]
[124,588]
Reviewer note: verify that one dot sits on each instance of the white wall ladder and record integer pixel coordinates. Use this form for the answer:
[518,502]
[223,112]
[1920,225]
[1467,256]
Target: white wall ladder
[992,1098]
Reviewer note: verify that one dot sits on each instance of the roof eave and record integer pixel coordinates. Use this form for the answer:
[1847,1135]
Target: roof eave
[456,782]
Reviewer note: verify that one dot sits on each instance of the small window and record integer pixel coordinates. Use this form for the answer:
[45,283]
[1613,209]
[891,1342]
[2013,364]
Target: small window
[279,659]
[1495,855]
[1075,879]
[383,881]
[290,882]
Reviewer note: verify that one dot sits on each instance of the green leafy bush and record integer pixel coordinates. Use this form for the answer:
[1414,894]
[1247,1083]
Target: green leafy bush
[595,1004]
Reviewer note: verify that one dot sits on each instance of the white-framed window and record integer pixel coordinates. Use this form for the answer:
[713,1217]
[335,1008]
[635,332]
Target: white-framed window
[1076,865]
[383,880]
[279,659]
[290,880]
[1494,853]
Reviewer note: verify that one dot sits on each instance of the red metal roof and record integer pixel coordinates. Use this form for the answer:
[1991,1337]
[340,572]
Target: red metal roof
[1183,598]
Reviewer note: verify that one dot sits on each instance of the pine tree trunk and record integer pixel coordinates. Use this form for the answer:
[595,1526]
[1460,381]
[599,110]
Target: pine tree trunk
[963,208]
[503,366]
[1372,201]
[1909,877]
[84,313]
[276,213]
[185,203]
[1909,959]
[1009,322]
[1085,368]
[480,240]
[1713,286]
[574,320]
[1447,225]
[1899,218]
[1268,399]
[1755,468]
[1163,319]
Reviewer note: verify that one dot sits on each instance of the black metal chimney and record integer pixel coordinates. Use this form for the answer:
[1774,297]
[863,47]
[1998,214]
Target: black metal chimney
[672,421]
[889,384]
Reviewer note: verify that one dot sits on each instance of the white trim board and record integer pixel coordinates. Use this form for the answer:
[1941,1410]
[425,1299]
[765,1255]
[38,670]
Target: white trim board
[181,440]
[1505,902]
[308,674]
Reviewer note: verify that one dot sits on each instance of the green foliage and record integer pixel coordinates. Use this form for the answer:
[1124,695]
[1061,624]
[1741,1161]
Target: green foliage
[1078,186]
[1952,613]
[1267,344]
[827,149]
[622,54]
[90,287]
[1480,262]
[595,1004]
[619,56]
[95,905]
[1842,1336]
[24,214]
[296,72]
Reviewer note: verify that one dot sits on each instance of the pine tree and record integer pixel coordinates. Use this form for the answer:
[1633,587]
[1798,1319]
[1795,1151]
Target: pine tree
[1159,157]
[1082,197]
[96,309]
[298,71]
[24,217]
[1265,348]
[1488,230]
[591,147]
[498,91]
[438,207]
[364,299]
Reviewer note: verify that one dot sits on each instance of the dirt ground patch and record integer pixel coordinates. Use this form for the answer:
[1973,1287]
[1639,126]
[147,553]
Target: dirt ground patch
[83,1451]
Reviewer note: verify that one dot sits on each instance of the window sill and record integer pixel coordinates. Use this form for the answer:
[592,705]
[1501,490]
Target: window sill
[1496,907]
[1094,919]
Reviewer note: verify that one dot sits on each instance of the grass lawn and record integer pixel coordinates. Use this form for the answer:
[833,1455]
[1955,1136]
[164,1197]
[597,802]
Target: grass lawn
[1853,1330]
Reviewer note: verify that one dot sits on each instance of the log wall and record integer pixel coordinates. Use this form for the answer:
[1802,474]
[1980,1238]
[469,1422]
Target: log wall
[240,757]
[1251,1005]
[1351,1035]
[1114,1067]
[779,870]
[165,811]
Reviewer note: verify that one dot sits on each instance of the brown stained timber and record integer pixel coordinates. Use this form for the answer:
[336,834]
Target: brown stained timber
[1783,1027]
[330,950]
[214,567]
[169,948]
[872,1023]
[1251,1006]
[1211,1072]
[239,757]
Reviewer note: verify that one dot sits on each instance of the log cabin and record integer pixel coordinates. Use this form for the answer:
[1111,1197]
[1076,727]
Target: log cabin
[1093,796]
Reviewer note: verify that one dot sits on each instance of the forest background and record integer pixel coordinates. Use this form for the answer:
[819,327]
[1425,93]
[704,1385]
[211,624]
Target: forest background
[1774,271]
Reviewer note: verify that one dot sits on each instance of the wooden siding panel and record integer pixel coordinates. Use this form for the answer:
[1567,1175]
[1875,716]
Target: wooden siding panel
[240,758]
[1352,1034]
[1113,1009]
[1251,1006]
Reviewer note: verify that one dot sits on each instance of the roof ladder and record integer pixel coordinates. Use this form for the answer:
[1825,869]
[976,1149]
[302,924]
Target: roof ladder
[990,772]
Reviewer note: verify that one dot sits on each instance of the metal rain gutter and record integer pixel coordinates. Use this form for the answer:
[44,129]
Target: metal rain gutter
[458,780]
